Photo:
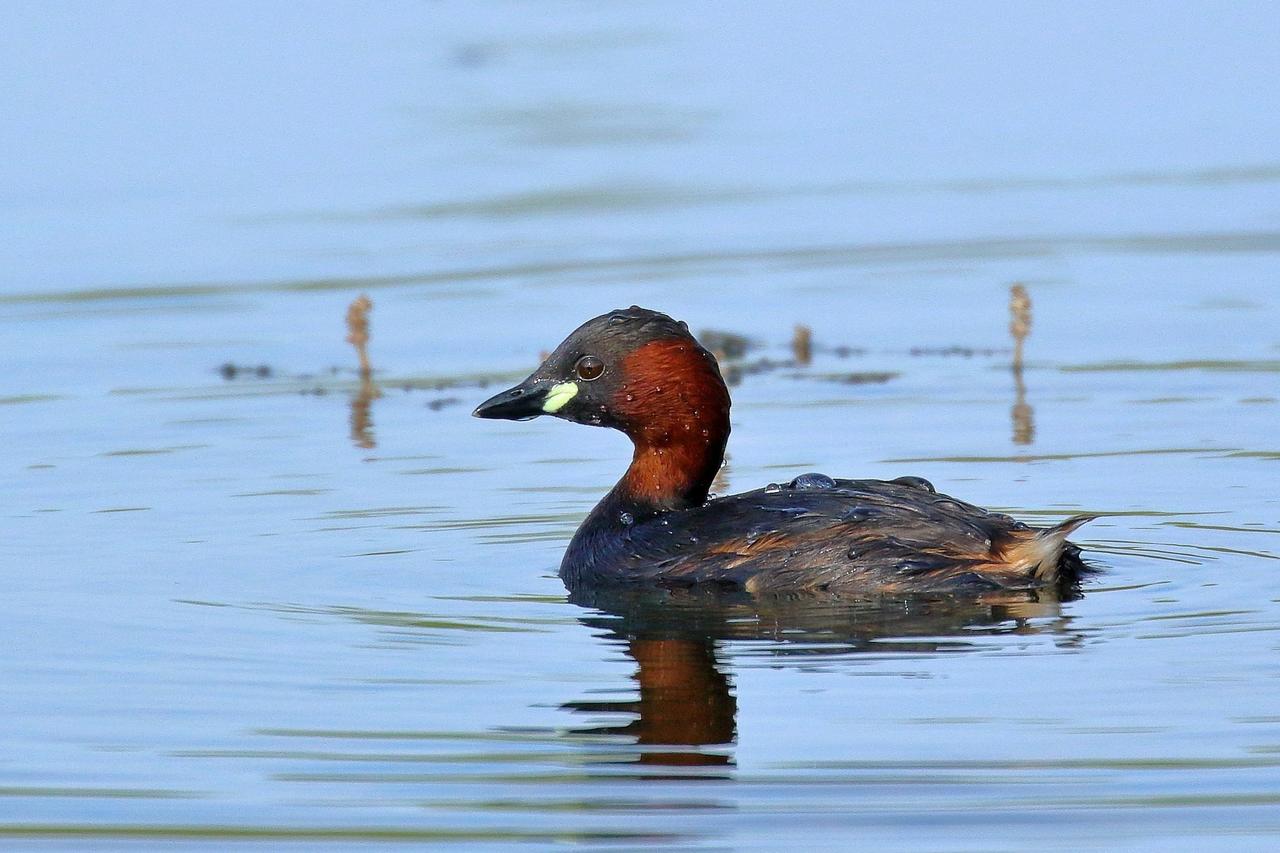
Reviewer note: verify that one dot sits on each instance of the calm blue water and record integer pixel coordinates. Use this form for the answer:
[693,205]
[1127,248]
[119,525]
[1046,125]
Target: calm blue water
[267,610]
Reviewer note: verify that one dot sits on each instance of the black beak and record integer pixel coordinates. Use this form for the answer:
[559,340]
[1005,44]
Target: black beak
[516,404]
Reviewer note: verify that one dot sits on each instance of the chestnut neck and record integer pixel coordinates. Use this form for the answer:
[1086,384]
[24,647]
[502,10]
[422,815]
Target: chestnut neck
[675,409]
[672,474]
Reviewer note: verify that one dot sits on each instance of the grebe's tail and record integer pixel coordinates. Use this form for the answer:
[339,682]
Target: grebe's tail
[1042,552]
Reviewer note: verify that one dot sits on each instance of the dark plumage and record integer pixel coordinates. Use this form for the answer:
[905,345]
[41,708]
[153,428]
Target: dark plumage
[641,372]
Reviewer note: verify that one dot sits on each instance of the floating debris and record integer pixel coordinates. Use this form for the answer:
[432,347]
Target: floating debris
[857,377]
[864,377]
[957,351]
[230,371]
[473,55]
[734,371]
[726,345]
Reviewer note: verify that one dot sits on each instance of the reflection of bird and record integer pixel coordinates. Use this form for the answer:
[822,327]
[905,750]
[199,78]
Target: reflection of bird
[684,701]
[686,698]
[641,372]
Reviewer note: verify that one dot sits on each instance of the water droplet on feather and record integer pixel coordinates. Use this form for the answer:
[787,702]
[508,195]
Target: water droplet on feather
[813,482]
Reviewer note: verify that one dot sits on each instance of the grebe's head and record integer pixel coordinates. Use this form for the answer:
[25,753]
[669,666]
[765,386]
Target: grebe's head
[632,369]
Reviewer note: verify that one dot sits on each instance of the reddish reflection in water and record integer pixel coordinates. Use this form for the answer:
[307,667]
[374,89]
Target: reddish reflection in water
[686,700]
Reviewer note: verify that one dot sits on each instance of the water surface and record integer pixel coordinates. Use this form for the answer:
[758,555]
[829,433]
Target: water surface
[269,609]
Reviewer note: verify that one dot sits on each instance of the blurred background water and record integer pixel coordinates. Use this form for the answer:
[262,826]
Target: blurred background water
[269,609]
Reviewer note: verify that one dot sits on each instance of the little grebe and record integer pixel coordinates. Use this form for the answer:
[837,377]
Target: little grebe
[641,372]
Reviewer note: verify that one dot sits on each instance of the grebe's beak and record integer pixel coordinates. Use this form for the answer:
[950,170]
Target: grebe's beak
[515,404]
[530,398]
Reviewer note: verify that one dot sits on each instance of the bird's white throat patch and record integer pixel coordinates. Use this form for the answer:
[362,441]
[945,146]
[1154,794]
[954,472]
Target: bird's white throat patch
[558,396]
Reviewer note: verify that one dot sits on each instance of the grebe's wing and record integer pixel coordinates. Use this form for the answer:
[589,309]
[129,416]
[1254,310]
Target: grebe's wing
[844,535]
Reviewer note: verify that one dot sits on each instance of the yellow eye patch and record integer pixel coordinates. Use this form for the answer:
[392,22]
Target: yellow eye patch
[558,396]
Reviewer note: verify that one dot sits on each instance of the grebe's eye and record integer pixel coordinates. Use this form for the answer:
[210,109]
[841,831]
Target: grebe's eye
[588,368]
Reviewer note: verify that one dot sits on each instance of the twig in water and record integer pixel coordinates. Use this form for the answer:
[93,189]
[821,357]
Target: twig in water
[802,344]
[361,403]
[1024,428]
[1019,321]
[358,331]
